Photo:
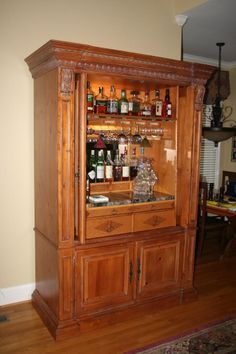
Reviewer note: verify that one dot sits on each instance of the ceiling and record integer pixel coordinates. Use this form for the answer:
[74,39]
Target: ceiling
[207,24]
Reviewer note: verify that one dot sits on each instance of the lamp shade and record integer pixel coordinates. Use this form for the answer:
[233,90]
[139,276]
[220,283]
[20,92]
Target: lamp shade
[218,134]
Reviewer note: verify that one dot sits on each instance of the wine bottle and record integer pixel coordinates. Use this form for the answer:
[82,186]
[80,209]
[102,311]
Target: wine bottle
[108,167]
[133,164]
[100,167]
[92,167]
[125,167]
[117,171]
[167,106]
[90,98]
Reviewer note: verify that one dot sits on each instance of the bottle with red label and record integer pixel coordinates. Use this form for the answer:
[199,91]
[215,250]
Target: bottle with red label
[100,103]
[167,106]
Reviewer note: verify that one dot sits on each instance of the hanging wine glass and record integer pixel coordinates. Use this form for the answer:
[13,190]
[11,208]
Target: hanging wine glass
[137,139]
[122,138]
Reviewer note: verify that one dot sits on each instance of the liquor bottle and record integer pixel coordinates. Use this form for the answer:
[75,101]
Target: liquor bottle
[157,104]
[90,98]
[122,144]
[117,170]
[146,106]
[92,167]
[123,105]
[112,103]
[167,106]
[133,164]
[100,105]
[134,104]
[125,167]
[108,167]
[100,167]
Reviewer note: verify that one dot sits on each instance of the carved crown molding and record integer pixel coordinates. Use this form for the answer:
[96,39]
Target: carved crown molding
[80,57]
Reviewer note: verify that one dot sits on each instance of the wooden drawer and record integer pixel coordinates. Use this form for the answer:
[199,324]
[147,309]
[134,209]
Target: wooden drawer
[109,226]
[154,220]
[109,210]
[164,204]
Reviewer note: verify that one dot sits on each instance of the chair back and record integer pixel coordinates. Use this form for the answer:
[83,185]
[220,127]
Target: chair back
[202,215]
[202,198]
[229,183]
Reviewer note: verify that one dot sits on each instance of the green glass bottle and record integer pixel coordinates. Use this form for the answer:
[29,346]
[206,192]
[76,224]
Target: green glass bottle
[123,104]
[100,167]
[92,167]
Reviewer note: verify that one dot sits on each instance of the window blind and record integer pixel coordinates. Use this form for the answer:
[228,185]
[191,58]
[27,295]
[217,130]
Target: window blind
[209,158]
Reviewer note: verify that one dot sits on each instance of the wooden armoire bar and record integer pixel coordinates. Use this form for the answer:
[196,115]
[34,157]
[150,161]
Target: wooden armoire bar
[98,263]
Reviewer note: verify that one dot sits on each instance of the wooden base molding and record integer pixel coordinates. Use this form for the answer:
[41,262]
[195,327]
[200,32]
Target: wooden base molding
[64,329]
[59,330]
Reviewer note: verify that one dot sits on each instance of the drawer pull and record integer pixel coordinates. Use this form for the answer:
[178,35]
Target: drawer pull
[110,227]
[131,272]
[156,220]
[138,268]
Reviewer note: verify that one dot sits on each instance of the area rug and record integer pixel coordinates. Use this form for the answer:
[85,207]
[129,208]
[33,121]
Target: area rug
[219,338]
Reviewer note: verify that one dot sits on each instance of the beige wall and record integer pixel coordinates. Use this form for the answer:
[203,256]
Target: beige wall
[225,160]
[185,5]
[133,25]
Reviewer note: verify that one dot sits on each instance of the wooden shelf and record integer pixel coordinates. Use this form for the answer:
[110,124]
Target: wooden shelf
[124,119]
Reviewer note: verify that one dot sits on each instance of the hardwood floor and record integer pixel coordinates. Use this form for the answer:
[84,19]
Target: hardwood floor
[215,280]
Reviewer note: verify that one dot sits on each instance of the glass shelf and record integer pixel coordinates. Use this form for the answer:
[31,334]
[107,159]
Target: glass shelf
[119,117]
[126,198]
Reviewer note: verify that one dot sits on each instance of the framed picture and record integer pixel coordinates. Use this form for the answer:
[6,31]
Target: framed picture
[233,153]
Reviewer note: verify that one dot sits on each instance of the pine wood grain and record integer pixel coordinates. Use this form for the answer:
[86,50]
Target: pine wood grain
[24,332]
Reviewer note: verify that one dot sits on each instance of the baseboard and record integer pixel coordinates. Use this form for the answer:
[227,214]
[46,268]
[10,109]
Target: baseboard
[16,294]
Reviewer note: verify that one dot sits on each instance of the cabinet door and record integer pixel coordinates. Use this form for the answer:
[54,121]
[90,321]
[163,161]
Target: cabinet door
[159,266]
[104,277]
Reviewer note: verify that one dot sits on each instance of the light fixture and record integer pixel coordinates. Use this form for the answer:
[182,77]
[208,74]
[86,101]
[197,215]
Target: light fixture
[216,132]
[181,20]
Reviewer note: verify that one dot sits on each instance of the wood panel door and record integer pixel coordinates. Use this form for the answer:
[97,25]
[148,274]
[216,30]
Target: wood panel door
[104,277]
[159,267]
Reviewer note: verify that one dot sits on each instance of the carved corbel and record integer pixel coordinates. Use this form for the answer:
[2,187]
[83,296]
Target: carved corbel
[66,81]
[199,96]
